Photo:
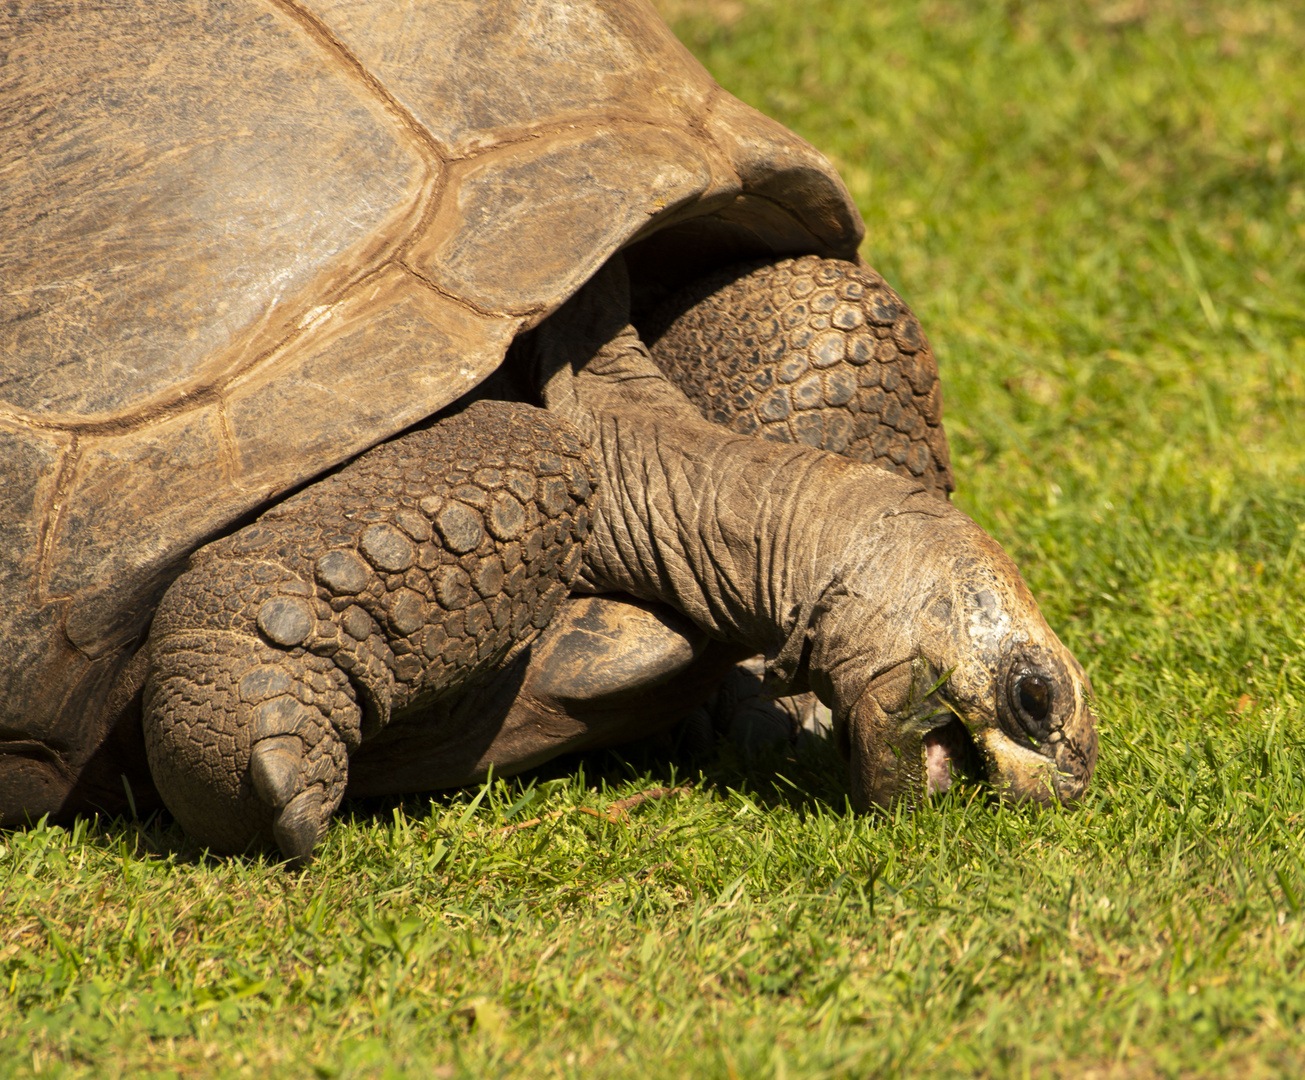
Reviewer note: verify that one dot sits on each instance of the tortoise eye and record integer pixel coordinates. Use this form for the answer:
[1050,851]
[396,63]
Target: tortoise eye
[1036,687]
[1033,694]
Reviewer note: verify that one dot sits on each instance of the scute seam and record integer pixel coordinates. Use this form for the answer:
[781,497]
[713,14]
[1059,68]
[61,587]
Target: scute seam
[461,301]
[189,398]
[50,520]
[561,125]
[332,44]
[226,440]
[407,121]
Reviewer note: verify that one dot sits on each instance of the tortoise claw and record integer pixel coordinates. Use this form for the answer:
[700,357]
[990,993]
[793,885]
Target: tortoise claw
[299,826]
[276,769]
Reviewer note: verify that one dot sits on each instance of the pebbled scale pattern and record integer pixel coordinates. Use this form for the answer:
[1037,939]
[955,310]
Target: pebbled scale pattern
[809,350]
[402,578]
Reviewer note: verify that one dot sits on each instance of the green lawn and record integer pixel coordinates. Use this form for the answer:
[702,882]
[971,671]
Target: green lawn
[1098,212]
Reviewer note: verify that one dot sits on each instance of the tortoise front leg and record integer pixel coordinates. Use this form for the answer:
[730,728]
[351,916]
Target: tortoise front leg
[814,351]
[412,574]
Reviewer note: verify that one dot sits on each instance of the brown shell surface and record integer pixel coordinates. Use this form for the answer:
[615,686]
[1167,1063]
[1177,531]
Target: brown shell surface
[244,240]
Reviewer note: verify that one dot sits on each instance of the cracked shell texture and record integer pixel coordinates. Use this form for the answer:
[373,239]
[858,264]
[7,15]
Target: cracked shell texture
[814,351]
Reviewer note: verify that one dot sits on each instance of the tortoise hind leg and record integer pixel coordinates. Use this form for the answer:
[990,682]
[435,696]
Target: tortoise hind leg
[415,572]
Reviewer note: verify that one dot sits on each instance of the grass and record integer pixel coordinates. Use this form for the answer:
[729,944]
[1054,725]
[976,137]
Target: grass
[1098,211]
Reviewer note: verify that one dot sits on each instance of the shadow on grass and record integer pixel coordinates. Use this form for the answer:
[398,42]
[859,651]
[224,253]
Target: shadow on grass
[807,778]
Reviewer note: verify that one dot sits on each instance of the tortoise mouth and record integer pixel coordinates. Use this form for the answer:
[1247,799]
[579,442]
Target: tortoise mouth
[950,754]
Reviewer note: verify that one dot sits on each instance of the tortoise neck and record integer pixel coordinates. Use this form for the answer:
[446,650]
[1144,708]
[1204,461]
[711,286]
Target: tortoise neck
[755,541]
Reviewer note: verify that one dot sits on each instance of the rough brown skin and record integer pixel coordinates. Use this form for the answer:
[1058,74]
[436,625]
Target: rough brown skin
[211,304]
[893,606]
[814,351]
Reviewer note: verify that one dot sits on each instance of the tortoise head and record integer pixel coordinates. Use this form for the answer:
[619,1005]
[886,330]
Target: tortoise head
[960,675]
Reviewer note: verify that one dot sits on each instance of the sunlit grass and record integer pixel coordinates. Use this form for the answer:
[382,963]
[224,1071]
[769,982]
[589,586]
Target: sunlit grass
[1098,212]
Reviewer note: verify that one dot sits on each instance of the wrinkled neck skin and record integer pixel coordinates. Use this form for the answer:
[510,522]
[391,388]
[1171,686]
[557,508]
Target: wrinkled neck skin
[893,606]
[764,544]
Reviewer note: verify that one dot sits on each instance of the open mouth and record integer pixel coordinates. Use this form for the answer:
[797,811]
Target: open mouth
[950,754]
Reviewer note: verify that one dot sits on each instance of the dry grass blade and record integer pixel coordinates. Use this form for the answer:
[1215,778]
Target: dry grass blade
[617,810]
[504,830]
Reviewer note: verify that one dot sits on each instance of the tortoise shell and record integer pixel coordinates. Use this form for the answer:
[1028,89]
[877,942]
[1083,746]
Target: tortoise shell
[245,240]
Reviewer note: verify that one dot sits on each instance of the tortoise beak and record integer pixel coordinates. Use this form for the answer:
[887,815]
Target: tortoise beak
[890,760]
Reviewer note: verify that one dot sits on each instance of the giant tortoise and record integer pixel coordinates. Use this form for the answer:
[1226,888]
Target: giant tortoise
[390,391]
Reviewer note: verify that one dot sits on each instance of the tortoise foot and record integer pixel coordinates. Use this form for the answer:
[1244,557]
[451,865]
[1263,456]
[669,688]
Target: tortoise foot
[249,747]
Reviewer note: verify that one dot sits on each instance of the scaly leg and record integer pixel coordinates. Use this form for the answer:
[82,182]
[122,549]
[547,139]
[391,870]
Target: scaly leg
[810,350]
[415,572]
